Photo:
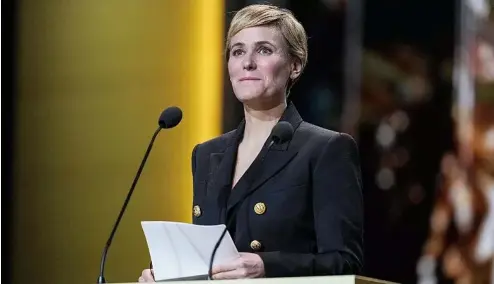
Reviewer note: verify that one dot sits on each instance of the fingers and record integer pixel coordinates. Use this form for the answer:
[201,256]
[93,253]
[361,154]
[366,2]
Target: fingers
[232,270]
[232,274]
[147,276]
[248,265]
[225,267]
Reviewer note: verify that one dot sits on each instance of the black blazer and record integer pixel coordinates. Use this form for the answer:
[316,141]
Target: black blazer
[304,210]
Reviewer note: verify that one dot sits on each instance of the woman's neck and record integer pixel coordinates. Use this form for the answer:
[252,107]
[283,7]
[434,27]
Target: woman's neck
[259,123]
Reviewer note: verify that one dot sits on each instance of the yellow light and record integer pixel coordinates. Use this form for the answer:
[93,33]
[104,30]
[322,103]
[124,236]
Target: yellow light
[93,78]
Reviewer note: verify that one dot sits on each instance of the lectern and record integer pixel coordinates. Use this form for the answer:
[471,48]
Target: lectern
[345,279]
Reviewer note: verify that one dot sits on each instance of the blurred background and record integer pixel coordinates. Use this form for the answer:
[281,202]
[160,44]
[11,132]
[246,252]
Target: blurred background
[85,82]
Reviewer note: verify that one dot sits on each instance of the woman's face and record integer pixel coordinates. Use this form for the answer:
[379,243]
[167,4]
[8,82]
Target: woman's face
[259,65]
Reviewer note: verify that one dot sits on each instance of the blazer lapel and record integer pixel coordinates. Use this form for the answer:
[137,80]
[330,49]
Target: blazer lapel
[262,170]
[221,166]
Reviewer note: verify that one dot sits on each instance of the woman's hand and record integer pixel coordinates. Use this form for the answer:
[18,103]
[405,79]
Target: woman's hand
[248,265]
[147,276]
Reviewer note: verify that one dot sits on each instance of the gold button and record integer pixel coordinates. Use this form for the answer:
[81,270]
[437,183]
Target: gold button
[197,211]
[260,208]
[255,245]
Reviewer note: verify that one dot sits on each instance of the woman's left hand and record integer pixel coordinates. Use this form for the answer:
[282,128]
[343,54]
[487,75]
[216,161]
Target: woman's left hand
[248,265]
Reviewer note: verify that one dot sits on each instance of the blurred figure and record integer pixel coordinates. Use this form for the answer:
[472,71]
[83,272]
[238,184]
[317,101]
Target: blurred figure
[461,240]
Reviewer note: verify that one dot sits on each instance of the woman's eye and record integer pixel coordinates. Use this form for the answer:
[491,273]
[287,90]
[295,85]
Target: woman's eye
[265,51]
[237,52]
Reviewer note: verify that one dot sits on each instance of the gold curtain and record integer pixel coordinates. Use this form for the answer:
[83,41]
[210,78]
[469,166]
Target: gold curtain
[93,78]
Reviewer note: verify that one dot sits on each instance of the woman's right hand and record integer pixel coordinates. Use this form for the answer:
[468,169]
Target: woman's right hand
[147,276]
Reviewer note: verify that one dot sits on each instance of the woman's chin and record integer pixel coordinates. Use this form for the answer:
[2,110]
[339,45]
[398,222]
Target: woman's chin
[249,97]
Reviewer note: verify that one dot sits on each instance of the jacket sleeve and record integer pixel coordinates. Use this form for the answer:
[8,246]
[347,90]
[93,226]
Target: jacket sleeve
[338,217]
[193,168]
[193,160]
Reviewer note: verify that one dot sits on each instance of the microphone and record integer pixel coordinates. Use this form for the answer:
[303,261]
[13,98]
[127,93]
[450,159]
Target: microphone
[282,132]
[169,118]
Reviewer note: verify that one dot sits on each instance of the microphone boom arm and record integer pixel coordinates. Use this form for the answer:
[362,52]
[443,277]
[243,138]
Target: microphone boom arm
[101,278]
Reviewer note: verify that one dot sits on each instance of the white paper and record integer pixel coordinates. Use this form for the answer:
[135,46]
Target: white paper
[182,250]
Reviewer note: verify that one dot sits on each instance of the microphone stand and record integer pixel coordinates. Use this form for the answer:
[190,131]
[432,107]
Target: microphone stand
[101,278]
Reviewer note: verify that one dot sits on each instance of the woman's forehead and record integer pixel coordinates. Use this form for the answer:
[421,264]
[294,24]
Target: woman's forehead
[253,35]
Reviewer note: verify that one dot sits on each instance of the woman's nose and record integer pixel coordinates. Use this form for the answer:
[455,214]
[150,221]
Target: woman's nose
[249,63]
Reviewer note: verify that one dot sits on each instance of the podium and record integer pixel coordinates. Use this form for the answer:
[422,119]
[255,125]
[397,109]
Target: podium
[344,279]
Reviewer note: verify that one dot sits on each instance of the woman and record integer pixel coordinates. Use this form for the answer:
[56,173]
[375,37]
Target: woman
[304,213]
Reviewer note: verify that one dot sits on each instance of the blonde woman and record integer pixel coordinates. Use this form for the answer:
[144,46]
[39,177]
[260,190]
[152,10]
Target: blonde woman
[304,212]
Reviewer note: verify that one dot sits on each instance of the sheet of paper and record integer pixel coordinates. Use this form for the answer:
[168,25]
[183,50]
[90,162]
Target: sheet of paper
[182,250]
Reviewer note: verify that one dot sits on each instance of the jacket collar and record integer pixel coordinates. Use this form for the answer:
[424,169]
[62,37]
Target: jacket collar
[222,165]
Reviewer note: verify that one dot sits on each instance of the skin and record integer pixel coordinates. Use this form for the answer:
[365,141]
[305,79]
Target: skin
[259,67]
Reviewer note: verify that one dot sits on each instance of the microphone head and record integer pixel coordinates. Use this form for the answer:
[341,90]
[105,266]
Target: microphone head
[170,117]
[282,132]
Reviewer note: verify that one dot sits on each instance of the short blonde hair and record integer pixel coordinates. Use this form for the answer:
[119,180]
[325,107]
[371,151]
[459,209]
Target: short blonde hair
[268,15]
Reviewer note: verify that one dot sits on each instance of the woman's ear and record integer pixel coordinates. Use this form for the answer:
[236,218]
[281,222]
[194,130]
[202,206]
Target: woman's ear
[296,69]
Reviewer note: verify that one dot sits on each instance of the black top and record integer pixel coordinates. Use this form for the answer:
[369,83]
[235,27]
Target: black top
[304,210]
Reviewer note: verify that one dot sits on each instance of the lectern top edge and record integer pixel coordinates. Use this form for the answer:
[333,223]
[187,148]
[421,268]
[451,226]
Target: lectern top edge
[341,279]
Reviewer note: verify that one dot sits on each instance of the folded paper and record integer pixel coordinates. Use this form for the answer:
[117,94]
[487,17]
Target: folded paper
[181,251]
